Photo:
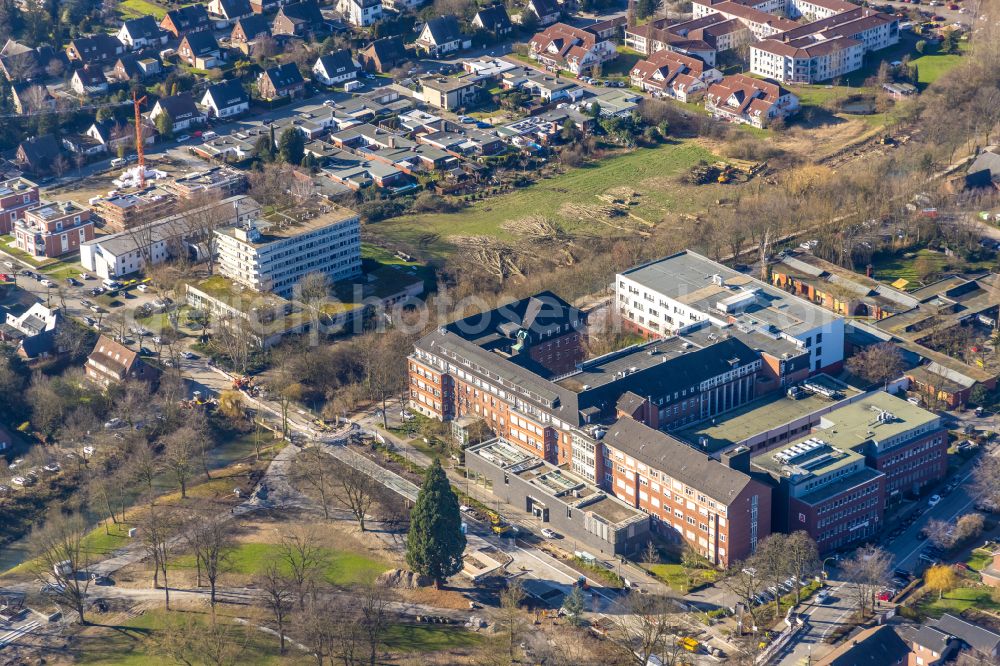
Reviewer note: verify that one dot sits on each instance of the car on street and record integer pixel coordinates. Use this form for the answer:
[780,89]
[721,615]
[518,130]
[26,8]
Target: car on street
[73,282]
[927,557]
[85,276]
[9,264]
[823,596]
[933,500]
[549,534]
[189,355]
[406,415]
[183,137]
[95,308]
[143,288]
[45,282]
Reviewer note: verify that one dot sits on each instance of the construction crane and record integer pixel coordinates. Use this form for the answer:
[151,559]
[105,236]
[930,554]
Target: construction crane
[139,144]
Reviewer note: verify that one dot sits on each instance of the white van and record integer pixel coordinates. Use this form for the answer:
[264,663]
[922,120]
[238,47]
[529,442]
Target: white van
[118,162]
[108,283]
[208,136]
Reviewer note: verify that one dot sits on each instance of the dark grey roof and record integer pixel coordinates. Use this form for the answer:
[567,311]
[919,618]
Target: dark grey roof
[284,76]
[233,8]
[494,18]
[333,61]
[676,459]
[444,29]
[976,637]
[305,11]
[932,639]
[254,25]
[179,106]
[40,151]
[91,76]
[144,27]
[38,344]
[987,161]
[97,47]
[882,647]
[189,18]
[228,93]
[545,7]
[388,49]
[202,43]
[629,402]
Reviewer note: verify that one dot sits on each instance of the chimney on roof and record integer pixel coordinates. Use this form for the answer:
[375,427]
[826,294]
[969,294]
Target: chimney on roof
[737,459]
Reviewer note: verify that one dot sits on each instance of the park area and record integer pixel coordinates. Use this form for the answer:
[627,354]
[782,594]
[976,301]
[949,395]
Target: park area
[630,191]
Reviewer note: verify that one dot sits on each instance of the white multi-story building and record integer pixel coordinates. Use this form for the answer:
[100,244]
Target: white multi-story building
[685,290]
[360,13]
[115,255]
[274,254]
[805,61]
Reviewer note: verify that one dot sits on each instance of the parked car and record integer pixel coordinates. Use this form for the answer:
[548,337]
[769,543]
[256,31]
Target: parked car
[549,534]
[143,288]
[933,501]
[823,596]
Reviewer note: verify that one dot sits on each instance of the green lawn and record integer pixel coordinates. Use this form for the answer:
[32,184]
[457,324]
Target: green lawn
[674,576]
[980,559]
[127,645]
[621,66]
[418,638]
[344,568]
[891,267]
[958,600]
[566,202]
[138,8]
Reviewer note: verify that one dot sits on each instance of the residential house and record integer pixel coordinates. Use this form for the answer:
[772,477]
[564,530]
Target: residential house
[403,5]
[547,11]
[19,62]
[225,99]
[334,68]
[89,80]
[984,170]
[609,29]
[94,50]
[547,87]
[562,46]
[181,109]
[30,97]
[494,20]
[249,29]
[226,12]
[280,81]
[83,144]
[37,154]
[142,32]
[440,36]
[670,74]
[200,50]
[298,19]
[979,641]
[266,6]
[360,13]
[383,55]
[132,67]
[743,99]
[17,195]
[451,94]
[931,647]
[53,229]
[35,330]
[112,134]
[112,363]
[184,20]
[877,646]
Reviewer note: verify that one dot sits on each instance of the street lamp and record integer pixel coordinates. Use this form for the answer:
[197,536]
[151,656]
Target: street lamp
[832,557]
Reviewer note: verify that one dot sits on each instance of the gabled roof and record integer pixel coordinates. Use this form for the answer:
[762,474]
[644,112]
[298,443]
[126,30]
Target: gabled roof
[144,27]
[388,49]
[97,47]
[253,25]
[980,639]
[932,639]
[443,29]
[178,106]
[40,151]
[676,459]
[114,355]
[188,18]
[227,93]
[233,8]
[201,43]
[494,18]
[879,646]
[331,62]
[283,76]
[90,76]
[544,7]
[305,11]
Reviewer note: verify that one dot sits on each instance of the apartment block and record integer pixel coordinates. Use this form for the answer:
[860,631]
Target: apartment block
[721,512]
[274,253]
[686,290]
[16,196]
[53,229]
[836,481]
[520,369]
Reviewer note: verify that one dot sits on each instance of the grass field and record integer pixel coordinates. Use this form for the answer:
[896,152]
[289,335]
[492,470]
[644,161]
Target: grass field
[980,559]
[417,638]
[958,600]
[674,576]
[889,268]
[137,8]
[932,66]
[343,567]
[565,199]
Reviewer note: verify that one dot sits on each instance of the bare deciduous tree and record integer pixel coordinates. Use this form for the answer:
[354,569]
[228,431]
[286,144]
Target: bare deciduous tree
[62,561]
[305,562]
[868,569]
[279,596]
